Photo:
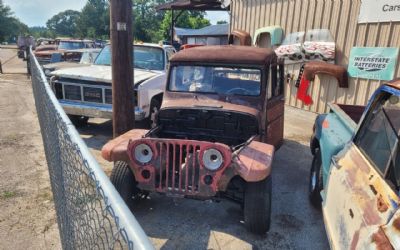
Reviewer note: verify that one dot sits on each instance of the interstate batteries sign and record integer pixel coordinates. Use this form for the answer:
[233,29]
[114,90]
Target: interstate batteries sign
[374,11]
[373,63]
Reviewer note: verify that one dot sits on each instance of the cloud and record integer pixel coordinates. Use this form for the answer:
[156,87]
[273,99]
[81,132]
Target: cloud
[37,12]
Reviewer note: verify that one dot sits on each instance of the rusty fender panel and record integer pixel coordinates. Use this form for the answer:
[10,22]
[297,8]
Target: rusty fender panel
[254,162]
[116,149]
[339,72]
[358,202]
[392,230]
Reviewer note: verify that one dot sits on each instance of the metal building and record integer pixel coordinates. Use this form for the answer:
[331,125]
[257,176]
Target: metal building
[341,18]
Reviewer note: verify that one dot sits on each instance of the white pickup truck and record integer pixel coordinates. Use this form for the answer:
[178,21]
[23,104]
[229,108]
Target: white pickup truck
[86,91]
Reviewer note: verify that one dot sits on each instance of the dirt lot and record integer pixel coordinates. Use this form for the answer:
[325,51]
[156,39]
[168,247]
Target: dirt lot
[27,216]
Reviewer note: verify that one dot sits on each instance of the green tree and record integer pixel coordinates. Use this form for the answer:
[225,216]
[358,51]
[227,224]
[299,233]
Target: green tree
[94,20]
[222,22]
[37,32]
[146,20]
[64,23]
[10,26]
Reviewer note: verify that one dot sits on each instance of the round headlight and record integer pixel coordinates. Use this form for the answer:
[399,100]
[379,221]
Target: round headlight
[143,153]
[212,159]
[47,72]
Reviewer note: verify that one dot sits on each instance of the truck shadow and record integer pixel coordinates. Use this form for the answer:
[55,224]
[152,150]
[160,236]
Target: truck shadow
[189,224]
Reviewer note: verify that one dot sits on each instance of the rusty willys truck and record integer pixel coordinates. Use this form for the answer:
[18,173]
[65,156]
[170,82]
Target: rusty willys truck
[220,122]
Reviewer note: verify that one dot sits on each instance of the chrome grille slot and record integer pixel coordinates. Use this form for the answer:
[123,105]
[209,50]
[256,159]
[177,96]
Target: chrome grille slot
[108,96]
[93,94]
[72,92]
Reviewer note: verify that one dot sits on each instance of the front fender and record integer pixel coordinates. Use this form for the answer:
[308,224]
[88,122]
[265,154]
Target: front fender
[254,162]
[148,89]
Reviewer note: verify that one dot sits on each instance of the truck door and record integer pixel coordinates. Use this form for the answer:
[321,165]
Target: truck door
[275,105]
[361,194]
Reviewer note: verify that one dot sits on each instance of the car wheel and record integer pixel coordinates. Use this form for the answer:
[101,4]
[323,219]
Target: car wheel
[257,206]
[154,108]
[78,120]
[125,183]
[316,182]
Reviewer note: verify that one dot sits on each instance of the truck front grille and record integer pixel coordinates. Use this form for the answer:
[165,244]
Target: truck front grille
[100,93]
[180,167]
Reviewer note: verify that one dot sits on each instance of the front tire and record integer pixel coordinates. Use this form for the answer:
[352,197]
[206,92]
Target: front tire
[124,181]
[316,180]
[257,206]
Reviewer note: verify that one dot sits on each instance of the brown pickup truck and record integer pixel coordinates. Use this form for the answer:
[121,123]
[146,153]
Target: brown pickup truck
[220,122]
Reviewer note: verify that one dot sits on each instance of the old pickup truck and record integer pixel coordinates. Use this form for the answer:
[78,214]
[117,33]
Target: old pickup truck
[220,122]
[356,172]
[87,92]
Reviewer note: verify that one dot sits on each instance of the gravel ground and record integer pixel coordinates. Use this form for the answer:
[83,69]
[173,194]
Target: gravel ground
[27,216]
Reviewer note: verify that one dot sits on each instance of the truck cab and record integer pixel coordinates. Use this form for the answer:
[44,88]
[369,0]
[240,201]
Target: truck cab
[86,92]
[215,135]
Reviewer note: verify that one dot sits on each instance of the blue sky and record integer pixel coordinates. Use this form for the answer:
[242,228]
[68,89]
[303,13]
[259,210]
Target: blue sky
[37,12]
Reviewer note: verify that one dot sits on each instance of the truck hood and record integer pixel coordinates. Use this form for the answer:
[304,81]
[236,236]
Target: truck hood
[100,73]
[206,102]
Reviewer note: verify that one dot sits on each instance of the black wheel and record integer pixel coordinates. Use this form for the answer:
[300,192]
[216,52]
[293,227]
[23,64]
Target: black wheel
[78,120]
[155,105]
[257,206]
[124,181]
[316,183]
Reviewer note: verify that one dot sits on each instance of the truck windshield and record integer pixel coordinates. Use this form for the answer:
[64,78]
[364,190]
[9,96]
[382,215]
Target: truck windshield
[218,80]
[319,35]
[145,57]
[378,137]
[71,45]
[293,38]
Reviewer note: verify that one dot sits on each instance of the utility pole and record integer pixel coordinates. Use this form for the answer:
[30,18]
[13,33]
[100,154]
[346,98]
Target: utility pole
[122,69]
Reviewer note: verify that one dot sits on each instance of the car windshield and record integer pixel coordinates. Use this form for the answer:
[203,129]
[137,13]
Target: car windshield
[145,57]
[88,57]
[71,45]
[293,38]
[216,79]
[319,35]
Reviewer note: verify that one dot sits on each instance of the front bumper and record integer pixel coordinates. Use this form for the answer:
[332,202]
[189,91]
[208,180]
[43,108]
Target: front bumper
[95,110]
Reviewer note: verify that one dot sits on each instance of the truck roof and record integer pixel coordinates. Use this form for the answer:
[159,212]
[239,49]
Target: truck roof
[229,54]
[394,83]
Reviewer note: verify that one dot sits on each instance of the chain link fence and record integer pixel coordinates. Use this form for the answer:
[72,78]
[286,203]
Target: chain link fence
[90,212]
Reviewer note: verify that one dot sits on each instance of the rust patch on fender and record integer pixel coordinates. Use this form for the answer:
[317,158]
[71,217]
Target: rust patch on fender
[354,241]
[325,124]
[381,204]
[381,241]
[396,223]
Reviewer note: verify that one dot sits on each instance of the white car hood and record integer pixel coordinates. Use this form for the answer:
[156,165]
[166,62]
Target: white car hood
[100,73]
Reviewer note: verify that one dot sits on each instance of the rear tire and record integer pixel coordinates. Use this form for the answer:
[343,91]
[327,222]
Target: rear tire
[124,181]
[316,180]
[79,120]
[257,206]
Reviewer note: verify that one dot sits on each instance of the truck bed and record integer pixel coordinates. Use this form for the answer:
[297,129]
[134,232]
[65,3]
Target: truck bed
[353,111]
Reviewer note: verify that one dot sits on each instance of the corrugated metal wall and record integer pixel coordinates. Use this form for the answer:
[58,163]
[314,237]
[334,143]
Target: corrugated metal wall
[340,17]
